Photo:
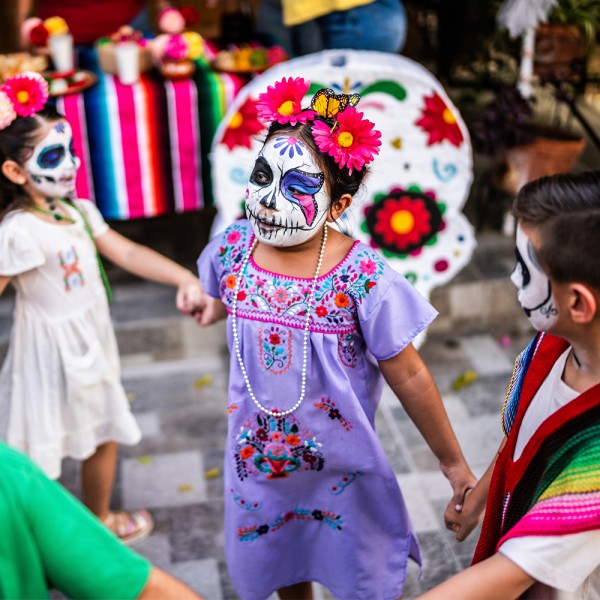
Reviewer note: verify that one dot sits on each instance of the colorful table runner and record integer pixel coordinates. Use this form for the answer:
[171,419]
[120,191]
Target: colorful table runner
[144,148]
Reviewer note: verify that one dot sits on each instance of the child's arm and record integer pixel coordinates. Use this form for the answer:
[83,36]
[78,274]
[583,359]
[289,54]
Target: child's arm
[462,519]
[496,577]
[4,281]
[414,386]
[209,311]
[148,264]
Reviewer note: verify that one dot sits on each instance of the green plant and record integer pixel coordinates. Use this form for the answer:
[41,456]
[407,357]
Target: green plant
[584,14]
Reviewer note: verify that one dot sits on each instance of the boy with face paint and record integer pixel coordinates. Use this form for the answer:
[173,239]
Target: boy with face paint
[60,388]
[316,320]
[541,531]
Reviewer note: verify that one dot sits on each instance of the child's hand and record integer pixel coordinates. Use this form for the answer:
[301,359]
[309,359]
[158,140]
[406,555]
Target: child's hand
[209,311]
[463,518]
[189,296]
[461,479]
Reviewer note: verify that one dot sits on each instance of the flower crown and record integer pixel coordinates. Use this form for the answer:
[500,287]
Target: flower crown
[338,128]
[22,95]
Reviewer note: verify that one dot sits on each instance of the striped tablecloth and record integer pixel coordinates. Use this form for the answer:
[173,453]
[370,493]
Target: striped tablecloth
[144,148]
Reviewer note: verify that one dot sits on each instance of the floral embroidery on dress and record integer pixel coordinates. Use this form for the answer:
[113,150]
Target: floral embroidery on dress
[275,349]
[333,413]
[250,506]
[344,482]
[330,519]
[283,300]
[276,447]
[347,349]
[69,263]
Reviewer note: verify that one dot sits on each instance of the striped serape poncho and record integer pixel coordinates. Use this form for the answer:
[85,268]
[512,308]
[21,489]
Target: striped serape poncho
[554,486]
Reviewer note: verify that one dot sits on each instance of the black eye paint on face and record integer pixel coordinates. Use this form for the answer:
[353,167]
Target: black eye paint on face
[51,156]
[525,275]
[72,149]
[262,175]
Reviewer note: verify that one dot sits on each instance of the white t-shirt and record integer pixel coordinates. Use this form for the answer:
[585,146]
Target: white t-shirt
[566,567]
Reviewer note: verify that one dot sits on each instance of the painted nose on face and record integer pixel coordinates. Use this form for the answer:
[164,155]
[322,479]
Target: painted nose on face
[269,200]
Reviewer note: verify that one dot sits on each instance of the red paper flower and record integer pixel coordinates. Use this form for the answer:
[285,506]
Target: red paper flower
[282,102]
[244,125]
[190,14]
[352,142]
[439,122]
[27,91]
[38,35]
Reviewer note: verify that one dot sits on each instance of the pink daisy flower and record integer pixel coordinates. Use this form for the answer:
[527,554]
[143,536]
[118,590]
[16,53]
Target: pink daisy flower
[282,102]
[7,111]
[27,91]
[352,142]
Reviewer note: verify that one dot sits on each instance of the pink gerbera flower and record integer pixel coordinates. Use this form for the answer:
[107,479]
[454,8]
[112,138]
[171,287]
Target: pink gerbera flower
[352,142]
[27,91]
[282,102]
[7,111]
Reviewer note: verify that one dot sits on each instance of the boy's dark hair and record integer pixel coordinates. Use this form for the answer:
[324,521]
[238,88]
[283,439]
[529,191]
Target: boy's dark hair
[565,209]
[15,142]
[338,180]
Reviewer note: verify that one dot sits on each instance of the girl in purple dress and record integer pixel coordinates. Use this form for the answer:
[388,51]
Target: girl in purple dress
[315,319]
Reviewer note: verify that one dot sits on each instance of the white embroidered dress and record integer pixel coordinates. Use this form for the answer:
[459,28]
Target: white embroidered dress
[60,388]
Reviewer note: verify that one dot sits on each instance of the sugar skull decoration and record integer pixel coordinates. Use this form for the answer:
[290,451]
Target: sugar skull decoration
[409,208]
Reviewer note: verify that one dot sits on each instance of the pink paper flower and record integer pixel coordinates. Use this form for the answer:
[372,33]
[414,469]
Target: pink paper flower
[282,102]
[7,111]
[176,48]
[352,142]
[27,91]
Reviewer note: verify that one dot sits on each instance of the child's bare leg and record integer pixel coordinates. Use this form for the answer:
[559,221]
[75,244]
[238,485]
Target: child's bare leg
[98,475]
[298,591]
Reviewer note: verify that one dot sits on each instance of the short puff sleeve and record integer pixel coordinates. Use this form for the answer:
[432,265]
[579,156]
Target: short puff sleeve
[18,250]
[92,215]
[393,316]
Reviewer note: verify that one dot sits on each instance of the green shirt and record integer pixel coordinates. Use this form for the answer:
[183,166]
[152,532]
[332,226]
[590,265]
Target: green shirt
[49,539]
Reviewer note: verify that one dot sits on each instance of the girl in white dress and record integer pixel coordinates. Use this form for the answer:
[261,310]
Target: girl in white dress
[60,388]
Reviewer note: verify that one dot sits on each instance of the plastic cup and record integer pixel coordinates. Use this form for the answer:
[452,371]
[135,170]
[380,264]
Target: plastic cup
[61,50]
[128,62]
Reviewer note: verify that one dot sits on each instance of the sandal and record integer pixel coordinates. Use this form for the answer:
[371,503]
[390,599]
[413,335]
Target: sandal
[130,527]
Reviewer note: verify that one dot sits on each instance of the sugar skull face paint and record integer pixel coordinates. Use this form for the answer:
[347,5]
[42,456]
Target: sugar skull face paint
[53,164]
[286,200]
[535,289]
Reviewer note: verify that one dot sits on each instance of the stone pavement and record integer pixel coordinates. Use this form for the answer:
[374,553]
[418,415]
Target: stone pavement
[176,377]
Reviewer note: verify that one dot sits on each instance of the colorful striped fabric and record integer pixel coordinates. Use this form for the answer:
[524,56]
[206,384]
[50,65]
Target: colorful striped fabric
[566,498]
[144,148]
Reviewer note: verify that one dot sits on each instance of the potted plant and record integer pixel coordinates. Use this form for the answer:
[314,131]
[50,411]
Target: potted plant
[564,43]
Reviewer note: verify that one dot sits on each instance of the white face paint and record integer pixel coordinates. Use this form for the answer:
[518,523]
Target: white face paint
[535,289]
[52,166]
[286,199]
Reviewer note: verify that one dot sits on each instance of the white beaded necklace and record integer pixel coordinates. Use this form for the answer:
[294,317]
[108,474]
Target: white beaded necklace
[276,413]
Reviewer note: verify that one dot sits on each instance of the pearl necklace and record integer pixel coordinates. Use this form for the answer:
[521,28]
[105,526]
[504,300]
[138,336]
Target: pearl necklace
[276,413]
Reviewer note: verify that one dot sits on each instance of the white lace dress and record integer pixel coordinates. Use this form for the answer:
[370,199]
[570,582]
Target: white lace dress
[60,388]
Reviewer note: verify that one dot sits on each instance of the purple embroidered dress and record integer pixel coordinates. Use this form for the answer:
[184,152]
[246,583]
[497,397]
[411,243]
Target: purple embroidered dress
[311,496]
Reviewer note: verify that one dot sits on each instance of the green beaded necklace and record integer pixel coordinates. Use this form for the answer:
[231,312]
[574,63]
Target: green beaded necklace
[58,217]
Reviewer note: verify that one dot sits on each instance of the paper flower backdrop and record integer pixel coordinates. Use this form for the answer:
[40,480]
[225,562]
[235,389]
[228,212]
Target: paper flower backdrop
[410,207]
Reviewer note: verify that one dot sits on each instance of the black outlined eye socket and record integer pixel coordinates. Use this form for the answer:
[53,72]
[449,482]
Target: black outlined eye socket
[261,175]
[51,156]
[522,267]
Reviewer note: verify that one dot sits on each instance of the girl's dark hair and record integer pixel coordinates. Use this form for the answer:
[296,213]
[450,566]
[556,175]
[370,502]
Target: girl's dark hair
[338,180]
[565,209]
[16,141]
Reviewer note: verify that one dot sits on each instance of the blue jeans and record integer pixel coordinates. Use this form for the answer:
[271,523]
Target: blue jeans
[380,26]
